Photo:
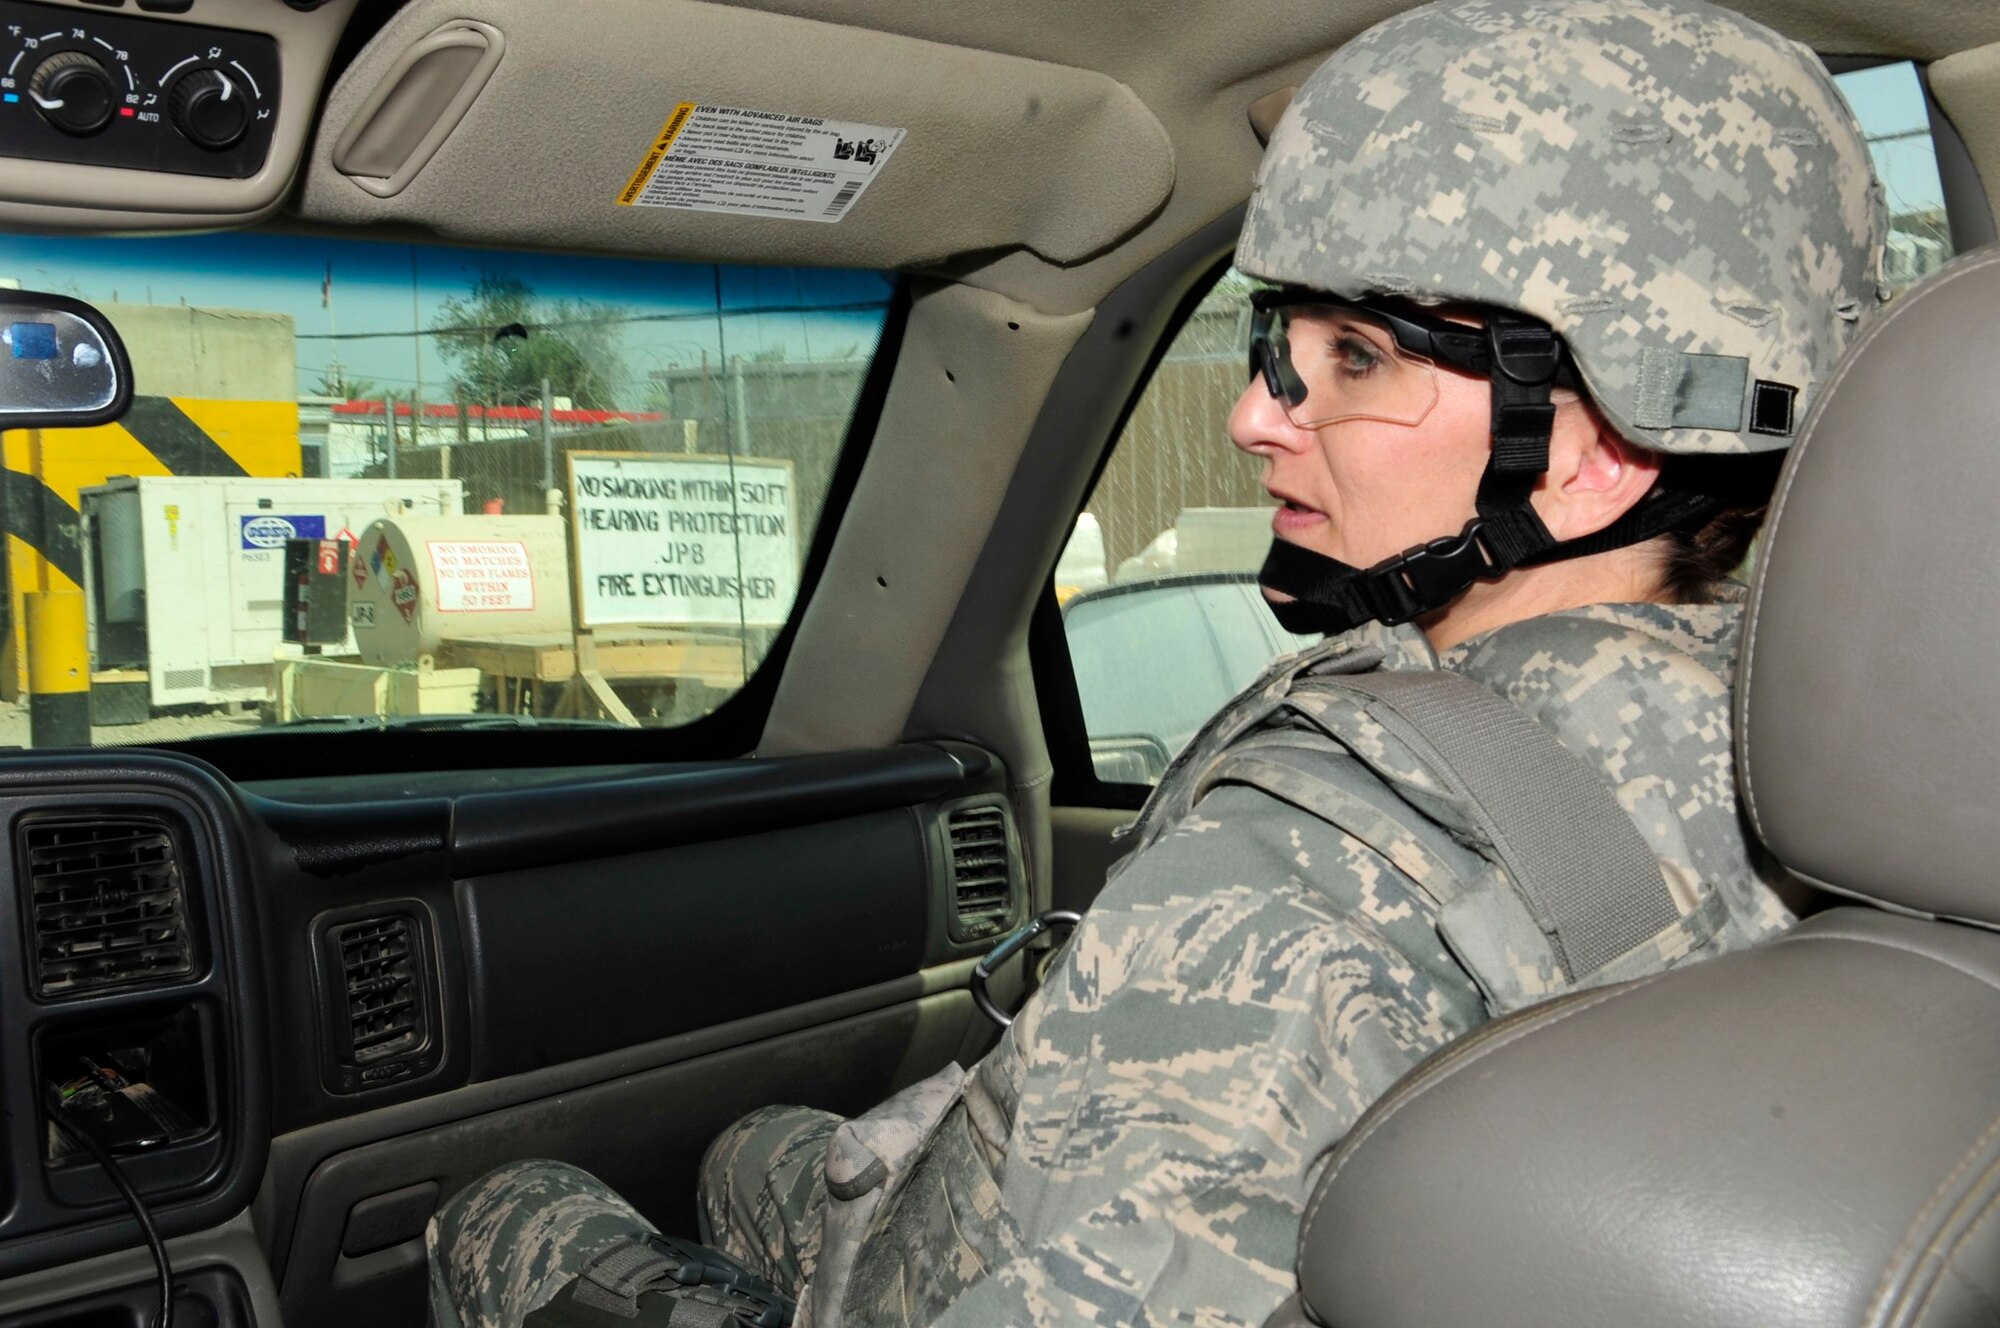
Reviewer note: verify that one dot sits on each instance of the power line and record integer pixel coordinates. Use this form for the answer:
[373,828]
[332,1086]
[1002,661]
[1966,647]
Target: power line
[477,329]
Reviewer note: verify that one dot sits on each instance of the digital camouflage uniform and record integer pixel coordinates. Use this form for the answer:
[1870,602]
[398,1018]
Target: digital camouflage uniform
[1140,1145]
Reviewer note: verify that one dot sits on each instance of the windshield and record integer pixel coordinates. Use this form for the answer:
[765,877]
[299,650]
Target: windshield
[366,484]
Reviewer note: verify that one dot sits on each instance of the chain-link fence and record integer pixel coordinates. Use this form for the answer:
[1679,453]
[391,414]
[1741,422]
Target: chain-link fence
[1175,453]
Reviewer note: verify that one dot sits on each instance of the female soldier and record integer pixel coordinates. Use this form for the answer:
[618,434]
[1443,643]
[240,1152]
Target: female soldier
[1551,284]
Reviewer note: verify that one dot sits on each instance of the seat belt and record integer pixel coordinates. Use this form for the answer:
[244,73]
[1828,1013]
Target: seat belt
[1584,871]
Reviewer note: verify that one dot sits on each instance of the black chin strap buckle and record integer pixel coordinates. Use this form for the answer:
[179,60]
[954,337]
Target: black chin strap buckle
[1525,355]
[1523,349]
[1432,575]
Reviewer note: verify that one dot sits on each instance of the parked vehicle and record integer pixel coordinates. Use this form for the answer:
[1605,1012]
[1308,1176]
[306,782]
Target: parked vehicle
[1154,659]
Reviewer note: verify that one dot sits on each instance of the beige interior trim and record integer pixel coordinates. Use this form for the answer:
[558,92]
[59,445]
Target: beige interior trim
[406,119]
[1061,161]
[951,431]
[1264,111]
[1921,30]
[981,685]
[45,195]
[1967,89]
[1085,847]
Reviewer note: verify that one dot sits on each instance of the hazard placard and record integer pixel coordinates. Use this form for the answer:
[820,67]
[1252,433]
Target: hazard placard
[759,163]
[482,575]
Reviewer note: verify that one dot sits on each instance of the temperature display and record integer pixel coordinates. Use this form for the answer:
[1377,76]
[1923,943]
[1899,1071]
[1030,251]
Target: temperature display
[106,90]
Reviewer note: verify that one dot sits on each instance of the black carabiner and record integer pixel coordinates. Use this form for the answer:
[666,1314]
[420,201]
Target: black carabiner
[1010,945]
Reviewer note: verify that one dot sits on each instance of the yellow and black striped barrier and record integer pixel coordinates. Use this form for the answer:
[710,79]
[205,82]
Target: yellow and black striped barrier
[58,669]
[46,470]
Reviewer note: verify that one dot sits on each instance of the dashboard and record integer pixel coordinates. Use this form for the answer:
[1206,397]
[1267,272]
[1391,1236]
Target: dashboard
[323,1004]
[167,113]
[127,896]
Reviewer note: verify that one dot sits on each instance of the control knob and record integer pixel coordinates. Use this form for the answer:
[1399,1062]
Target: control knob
[210,109]
[74,93]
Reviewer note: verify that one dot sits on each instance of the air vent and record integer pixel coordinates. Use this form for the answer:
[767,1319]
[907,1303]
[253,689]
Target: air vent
[981,878]
[378,967]
[377,1001]
[106,907]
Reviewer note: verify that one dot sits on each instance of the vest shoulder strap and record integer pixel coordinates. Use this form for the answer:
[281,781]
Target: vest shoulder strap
[1179,788]
[1580,865]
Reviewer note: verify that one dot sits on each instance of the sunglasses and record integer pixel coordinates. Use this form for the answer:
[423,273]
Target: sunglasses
[1328,359]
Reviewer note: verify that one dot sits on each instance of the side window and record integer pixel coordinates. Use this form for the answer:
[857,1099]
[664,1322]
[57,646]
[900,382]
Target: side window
[1157,585]
[1889,102]
[540,486]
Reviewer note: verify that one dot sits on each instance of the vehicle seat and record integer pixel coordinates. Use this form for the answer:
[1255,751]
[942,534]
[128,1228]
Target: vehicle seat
[1808,1133]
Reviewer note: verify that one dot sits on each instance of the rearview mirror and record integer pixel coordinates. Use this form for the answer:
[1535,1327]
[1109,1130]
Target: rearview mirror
[61,363]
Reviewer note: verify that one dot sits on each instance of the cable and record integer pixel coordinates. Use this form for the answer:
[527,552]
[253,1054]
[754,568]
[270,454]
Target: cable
[469,330]
[165,1317]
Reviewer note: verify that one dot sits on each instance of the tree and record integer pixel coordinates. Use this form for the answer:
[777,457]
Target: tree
[502,340]
[336,381]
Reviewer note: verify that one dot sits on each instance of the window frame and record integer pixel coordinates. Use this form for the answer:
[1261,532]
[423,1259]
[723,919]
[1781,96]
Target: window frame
[1074,781]
[1968,213]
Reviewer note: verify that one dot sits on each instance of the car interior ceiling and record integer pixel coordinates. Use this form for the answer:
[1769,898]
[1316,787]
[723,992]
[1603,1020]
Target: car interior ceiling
[618,946]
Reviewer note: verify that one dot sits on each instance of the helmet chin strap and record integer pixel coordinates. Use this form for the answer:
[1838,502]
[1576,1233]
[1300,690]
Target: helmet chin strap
[1331,596]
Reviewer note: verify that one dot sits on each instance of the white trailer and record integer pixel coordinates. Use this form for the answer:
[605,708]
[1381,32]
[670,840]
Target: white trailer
[185,572]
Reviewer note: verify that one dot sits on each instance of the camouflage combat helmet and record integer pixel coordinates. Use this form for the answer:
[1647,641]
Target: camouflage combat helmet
[1680,197]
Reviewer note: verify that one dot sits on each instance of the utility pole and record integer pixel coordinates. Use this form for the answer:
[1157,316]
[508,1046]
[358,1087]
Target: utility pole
[416,327]
[389,413]
[739,413]
[550,501]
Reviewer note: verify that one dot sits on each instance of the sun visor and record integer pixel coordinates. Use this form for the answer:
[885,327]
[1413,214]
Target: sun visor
[679,129]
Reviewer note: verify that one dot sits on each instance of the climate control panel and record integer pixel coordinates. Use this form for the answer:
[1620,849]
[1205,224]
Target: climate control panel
[112,90]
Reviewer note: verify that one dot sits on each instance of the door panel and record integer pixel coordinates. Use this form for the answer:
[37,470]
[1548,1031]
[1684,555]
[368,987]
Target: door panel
[1085,848]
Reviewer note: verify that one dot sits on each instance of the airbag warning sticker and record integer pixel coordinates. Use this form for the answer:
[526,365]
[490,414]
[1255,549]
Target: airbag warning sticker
[759,164]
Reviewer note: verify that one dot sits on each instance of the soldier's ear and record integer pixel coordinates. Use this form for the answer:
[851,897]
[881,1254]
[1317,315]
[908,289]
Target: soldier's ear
[1594,475]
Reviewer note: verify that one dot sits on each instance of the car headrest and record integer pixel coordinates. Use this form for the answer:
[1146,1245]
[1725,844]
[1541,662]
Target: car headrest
[1801,1134]
[1868,725]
